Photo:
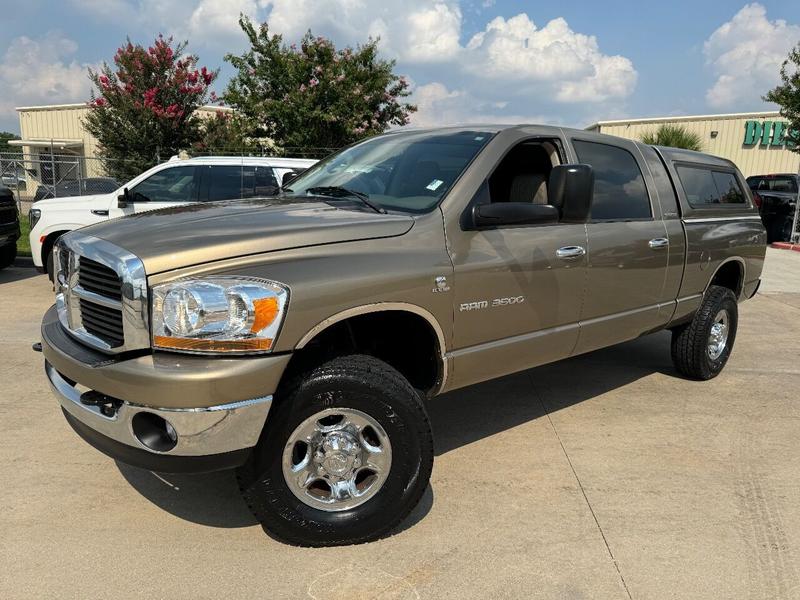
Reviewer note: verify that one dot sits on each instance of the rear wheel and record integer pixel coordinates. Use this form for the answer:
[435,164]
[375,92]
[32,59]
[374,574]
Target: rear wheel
[701,348]
[8,254]
[346,454]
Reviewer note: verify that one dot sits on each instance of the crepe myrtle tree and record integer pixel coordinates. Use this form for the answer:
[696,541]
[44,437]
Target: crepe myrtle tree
[787,96]
[312,98]
[143,109]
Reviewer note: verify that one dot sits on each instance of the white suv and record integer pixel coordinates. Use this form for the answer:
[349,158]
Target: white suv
[171,183]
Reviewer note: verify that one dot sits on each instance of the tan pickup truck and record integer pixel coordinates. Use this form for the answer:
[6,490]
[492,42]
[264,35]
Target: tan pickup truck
[297,338]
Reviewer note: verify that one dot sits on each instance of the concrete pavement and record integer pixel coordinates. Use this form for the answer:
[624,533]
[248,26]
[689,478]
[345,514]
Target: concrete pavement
[603,476]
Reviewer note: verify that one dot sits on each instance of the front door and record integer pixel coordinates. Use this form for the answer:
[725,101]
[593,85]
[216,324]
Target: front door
[171,186]
[518,290]
[628,248]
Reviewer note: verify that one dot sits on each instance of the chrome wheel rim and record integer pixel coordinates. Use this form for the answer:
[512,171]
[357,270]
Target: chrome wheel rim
[337,459]
[718,336]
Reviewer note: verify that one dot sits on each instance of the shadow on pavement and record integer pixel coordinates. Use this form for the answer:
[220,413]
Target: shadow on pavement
[19,271]
[458,418]
[470,414]
[208,499]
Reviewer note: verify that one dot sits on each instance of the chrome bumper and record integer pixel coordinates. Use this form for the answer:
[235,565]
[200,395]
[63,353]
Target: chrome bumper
[200,431]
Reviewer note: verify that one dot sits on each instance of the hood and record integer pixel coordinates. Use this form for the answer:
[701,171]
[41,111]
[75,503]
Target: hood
[197,233]
[61,201]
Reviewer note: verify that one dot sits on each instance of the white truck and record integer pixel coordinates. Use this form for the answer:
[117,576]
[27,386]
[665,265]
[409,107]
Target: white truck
[175,182]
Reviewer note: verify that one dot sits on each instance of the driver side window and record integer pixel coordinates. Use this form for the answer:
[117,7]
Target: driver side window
[523,174]
[176,184]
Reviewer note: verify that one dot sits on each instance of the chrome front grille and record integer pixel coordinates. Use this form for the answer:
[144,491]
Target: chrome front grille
[98,278]
[102,322]
[101,294]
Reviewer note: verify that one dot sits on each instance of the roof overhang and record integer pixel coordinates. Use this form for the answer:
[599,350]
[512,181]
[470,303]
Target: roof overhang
[60,143]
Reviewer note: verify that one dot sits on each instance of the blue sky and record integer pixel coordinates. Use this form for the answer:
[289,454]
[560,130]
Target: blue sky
[469,60]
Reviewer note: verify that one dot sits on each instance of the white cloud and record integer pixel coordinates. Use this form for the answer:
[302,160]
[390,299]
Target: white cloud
[415,31]
[40,72]
[745,54]
[517,50]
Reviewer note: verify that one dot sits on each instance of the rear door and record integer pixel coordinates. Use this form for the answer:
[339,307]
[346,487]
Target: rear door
[628,247]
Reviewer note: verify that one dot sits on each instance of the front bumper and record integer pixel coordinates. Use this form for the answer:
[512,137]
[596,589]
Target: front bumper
[184,391]
[9,233]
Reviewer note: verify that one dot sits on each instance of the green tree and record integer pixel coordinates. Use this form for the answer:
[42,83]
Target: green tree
[313,98]
[5,137]
[787,96]
[674,136]
[224,134]
[144,107]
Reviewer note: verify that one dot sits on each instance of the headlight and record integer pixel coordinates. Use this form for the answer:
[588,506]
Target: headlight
[34,215]
[218,314]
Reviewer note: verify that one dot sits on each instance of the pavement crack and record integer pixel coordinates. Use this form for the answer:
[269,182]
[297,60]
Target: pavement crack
[583,491]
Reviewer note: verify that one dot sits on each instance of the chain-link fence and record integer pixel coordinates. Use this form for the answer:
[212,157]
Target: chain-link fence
[37,176]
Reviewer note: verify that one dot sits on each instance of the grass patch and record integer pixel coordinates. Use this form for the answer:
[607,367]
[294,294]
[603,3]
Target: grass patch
[23,243]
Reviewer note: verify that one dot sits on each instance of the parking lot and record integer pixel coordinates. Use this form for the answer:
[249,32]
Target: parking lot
[603,476]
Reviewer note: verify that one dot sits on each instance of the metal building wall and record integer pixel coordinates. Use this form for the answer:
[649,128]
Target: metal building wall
[729,142]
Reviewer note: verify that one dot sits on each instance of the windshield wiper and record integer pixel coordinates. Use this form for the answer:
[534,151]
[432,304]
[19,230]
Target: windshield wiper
[336,191]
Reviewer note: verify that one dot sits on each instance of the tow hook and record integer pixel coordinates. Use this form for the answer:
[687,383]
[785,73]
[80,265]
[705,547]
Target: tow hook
[107,405]
[37,346]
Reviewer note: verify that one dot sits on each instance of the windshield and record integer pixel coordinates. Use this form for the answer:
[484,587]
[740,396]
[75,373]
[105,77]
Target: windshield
[774,184]
[408,172]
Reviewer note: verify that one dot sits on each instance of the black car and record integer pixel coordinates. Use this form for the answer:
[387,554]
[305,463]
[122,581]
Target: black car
[776,197]
[9,227]
[83,187]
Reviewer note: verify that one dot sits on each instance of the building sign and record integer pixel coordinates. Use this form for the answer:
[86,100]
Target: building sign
[770,133]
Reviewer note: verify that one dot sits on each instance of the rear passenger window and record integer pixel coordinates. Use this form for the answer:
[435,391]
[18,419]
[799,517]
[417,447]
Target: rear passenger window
[705,187]
[258,182]
[225,182]
[619,190]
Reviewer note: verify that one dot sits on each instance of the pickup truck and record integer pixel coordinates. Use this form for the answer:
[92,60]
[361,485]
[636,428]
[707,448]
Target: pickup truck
[297,338]
[777,199]
[9,227]
[172,183]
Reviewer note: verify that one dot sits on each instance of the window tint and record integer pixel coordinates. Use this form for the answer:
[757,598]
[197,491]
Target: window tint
[258,182]
[728,188]
[224,182]
[619,190]
[705,187]
[176,184]
[773,184]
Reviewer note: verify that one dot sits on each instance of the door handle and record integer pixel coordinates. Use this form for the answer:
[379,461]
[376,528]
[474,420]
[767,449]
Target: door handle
[570,252]
[658,243]
[100,213]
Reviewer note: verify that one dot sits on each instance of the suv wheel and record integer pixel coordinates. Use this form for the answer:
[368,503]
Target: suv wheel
[700,349]
[8,254]
[345,455]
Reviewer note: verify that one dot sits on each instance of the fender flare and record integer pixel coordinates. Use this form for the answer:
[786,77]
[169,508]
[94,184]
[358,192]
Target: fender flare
[742,265]
[384,307]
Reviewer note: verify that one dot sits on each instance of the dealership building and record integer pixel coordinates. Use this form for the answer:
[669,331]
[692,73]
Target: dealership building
[758,143]
[59,129]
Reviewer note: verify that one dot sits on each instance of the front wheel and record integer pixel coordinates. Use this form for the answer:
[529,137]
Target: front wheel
[701,348]
[346,454]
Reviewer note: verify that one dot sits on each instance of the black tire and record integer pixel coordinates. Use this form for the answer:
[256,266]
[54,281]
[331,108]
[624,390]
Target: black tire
[690,342]
[8,254]
[358,382]
[51,275]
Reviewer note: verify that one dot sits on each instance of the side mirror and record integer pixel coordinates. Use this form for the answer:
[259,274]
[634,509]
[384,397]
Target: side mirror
[570,189]
[512,213]
[123,199]
[289,176]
